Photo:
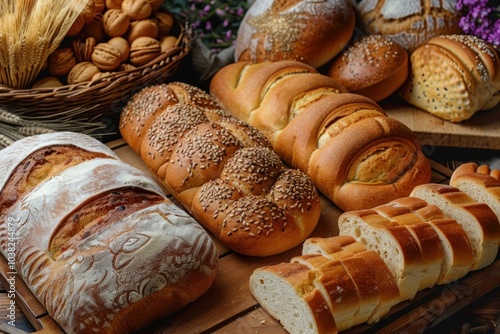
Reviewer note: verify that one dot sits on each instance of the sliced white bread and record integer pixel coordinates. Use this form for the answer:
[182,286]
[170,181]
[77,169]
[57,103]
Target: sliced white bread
[339,291]
[481,187]
[312,261]
[389,291]
[476,218]
[473,168]
[394,243]
[334,247]
[457,249]
[414,213]
[285,291]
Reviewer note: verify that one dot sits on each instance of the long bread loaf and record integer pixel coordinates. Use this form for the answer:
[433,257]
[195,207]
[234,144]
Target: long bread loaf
[355,154]
[95,239]
[223,171]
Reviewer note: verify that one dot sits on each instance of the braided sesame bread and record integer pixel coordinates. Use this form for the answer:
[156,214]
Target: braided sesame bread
[223,171]
[355,154]
[453,77]
[95,239]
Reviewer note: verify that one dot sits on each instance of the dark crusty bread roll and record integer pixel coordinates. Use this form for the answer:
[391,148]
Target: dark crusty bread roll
[409,23]
[312,32]
[356,155]
[374,67]
[95,239]
[223,171]
[453,77]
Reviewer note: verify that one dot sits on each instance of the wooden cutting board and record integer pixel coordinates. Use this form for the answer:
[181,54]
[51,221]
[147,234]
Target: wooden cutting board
[481,131]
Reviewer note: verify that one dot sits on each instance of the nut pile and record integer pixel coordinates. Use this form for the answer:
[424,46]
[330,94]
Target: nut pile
[110,36]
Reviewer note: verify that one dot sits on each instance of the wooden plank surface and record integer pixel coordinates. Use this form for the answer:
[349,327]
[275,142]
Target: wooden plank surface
[481,131]
[228,307]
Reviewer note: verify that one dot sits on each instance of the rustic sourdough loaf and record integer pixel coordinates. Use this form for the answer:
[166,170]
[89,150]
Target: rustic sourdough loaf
[356,155]
[477,219]
[312,32]
[222,170]
[453,77]
[374,66]
[411,23]
[98,243]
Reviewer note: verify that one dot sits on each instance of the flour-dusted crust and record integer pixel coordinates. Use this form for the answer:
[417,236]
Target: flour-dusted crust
[309,31]
[97,242]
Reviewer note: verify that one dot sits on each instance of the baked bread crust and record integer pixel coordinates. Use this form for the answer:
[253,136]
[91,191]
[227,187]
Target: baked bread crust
[356,155]
[222,170]
[308,31]
[98,243]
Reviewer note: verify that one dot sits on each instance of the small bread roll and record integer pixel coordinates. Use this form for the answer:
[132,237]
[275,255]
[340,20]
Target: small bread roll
[375,67]
[312,32]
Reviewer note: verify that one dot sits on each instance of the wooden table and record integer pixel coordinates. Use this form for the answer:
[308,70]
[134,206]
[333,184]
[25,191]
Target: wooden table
[229,307]
[481,131]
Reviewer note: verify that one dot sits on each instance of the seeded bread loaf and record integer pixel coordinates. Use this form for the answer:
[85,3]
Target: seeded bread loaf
[453,77]
[223,171]
[356,155]
[312,32]
[96,240]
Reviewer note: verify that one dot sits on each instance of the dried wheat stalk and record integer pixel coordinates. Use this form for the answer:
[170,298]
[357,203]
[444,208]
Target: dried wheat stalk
[30,30]
[16,126]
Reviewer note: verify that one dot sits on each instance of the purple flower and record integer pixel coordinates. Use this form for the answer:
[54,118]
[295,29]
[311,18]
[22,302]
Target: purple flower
[480,18]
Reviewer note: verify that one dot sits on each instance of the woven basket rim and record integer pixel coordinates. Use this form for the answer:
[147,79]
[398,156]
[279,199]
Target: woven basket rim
[181,48]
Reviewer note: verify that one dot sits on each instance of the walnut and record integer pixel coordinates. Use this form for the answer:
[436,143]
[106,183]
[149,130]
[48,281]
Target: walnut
[106,57]
[155,4]
[83,49]
[47,82]
[167,43]
[95,29]
[115,23]
[82,72]
[142,28]
[99,6]
[137,9]
[121,45]
[61,61]
[143,50]
[165,22]
[113,4]
[77,26]
[89,11]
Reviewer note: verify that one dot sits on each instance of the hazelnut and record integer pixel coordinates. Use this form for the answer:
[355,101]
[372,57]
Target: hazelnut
[106,57]
[142,28]
[143,50]
[137,9]
[167,43]
[47,82]
[165,22]
[95,29]
[61,61]
[115,23]
[121,45]
[82,72]
[77,26]
[113,4]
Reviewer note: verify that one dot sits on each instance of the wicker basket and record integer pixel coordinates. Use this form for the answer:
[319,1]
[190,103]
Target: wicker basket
[99,97]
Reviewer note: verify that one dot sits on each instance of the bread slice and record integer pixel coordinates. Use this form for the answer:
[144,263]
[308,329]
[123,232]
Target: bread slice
[414,213]
[334,247]
[483,188]
[394,243]
[285,291]
[472,168]
[457,249]
[389,291]
[477,219]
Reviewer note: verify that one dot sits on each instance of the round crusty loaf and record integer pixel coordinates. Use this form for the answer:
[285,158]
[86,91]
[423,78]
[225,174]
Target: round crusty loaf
[453,77]
[221,170]
[102,248]
[374,67]
[409,23]
[312,32]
